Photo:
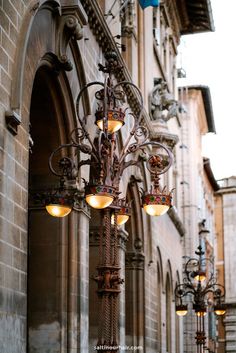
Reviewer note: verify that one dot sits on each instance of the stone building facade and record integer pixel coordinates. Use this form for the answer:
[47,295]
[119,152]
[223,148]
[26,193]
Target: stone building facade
[225,225]
[49,50]
[196,192]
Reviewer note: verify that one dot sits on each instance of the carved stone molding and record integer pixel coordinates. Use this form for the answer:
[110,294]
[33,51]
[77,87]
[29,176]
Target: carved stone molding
[80,205]
[128,16]
[170,140]
[123,237]
[71,22]
[134,261]
[169,9]
[68,20]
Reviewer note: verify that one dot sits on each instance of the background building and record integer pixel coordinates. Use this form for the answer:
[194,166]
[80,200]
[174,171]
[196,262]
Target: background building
[225,222]
[48,51]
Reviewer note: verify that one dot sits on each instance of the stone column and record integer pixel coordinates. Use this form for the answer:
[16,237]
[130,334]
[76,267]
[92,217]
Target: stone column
[134,296]
[78,277]
[230,328]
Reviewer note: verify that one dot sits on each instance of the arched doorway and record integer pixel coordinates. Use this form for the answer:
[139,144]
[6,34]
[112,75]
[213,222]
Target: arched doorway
[58,248]
[48,236]
[52,300]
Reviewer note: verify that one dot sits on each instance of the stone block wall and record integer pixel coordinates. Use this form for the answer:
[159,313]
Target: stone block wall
[13,193]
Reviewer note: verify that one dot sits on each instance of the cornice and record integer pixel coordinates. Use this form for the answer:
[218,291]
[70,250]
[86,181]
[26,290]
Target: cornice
[226,190]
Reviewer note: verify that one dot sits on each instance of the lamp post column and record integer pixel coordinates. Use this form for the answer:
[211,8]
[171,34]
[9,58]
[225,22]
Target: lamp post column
[108,282]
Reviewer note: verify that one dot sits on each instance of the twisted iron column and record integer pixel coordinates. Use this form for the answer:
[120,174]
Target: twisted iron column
[108,280]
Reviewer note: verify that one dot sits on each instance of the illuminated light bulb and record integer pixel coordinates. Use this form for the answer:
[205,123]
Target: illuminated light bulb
[121,219]
[201,313]
[99,201]
[112,125]
[156,210]
[58,210]
[181,310]
[220,309]
[200,276]
[115,120]
[99,196]
[156,204]
[220,312]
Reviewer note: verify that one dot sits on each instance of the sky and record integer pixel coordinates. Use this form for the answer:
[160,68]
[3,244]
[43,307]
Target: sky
[210,59]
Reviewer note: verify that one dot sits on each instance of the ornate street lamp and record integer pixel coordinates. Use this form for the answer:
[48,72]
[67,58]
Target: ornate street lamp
[201,289]
[102,190]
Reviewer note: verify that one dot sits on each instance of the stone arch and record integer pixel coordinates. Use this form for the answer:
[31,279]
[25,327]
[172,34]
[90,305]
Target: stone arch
[160,264]
[33,11]
[134,272]
[168,271]
[168,320]
[177,319]
[47,102]
[177,277]
[160,283]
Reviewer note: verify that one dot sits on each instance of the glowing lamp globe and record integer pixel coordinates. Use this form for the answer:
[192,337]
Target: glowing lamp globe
[122,219]
[122,216]
[220,309]
[99,196]
[59,204]
[181,310]
[156,204]
[115,120]
[201,312]
[58,210]
[200,276]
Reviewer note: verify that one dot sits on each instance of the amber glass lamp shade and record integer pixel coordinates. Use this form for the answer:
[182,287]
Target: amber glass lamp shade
[181,310]
[99,196]
[122,216]
[115,120]
[58,210]
[58,204]
[220,309]
[156,204]
[122,219]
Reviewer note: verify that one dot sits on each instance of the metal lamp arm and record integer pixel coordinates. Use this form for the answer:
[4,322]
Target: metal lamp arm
[50,163]
[136,118]
[182,290]
[217,293]
[186,271]
[170,156]
[211,281]
[127,83]
[81,121]
[126,145]
[139,147]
